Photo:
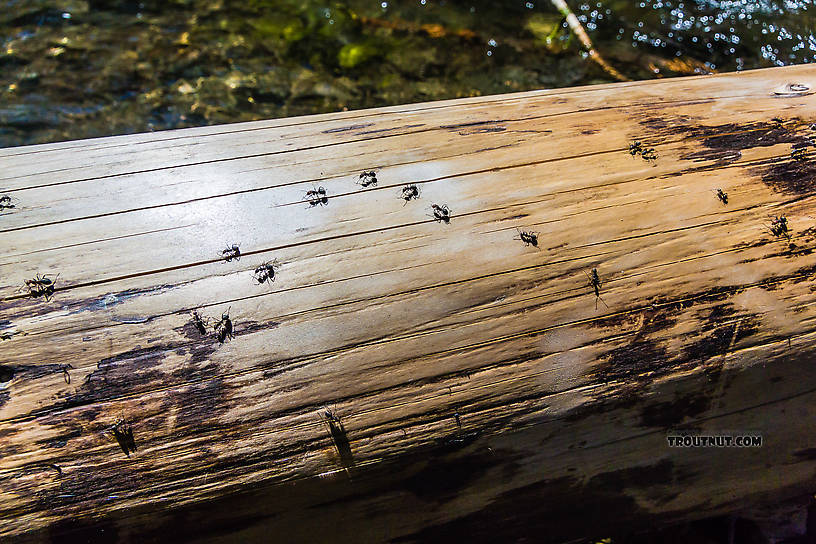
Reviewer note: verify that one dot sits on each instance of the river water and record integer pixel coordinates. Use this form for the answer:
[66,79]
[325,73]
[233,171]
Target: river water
[74,69]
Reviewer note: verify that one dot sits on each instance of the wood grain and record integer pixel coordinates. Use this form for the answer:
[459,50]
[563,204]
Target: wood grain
[479,387]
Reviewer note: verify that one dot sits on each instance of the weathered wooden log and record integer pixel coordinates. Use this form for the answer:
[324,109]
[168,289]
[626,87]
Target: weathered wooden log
[403,372]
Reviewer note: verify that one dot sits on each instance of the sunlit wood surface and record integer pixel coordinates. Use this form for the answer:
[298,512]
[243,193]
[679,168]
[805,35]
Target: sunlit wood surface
[479,386]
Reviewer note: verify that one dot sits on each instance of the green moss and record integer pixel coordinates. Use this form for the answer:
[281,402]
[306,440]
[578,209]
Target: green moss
[288,29]
[547,30]
[354,54]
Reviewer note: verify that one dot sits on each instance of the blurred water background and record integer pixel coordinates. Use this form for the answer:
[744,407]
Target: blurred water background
[74,69]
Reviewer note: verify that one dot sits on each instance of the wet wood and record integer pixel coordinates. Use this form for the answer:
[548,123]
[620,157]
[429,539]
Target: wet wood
[396,376]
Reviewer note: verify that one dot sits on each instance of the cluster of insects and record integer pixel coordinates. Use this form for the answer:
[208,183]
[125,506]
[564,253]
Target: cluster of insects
[317,196]
[123,433]
[779,227]
[41,286]
[409,193]
[368,179]
[265,273]
[441,214]
[222,329]
[647,153]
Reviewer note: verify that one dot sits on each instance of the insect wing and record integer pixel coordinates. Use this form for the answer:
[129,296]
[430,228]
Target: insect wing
[131,442]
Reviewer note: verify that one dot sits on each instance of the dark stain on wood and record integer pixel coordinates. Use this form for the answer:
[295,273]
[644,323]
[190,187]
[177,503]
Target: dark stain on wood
[729,137]
[457,441]
[381,130]
[202,352]
[618,321]
[444,477]
[643,477]
[721,156]
[545,512]
[715,314]
[808,454]
[789,176]
[61,440]
[6,373]
[748,327]
[733,136]
[481,130]
[71,529]
[195,529]
[631,361]
[724,144]
[669,414]
[248,327]
[17,307]
[93,486]
[621,398]
[710,345]
[472,124]
[476,127]
[348,128]
[655,318]
[199,402]
[25,372]
[120,373]
[114,299]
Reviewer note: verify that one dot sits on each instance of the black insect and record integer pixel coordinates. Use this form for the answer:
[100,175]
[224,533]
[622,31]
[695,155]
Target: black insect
[441,213]
[41,286]
[722,195]
[647,153]
[779,227]
[232,252]
[6,203]
[458,419]
[595,282]
[223,329]
[409,192]
[317,196]
[529,237]
[65,368]
[123,432]
[368,178]
[340,438]
[266,272]
[199,323]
